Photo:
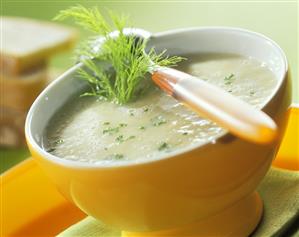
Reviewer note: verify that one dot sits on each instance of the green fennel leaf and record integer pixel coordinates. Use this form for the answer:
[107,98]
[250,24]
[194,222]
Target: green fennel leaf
[125,56]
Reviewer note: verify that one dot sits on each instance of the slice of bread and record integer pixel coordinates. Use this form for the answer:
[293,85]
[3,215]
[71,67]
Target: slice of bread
[19,92]
[27,44]
[16,96]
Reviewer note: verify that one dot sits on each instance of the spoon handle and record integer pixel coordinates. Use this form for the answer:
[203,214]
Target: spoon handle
[240,118]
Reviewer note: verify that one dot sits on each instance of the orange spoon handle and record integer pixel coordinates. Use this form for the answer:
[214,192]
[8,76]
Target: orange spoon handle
[240,118]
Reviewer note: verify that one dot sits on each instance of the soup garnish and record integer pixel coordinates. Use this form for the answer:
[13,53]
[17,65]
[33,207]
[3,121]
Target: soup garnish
[115,65]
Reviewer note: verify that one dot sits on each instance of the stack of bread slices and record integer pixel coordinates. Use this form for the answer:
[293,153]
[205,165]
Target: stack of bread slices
[25,49]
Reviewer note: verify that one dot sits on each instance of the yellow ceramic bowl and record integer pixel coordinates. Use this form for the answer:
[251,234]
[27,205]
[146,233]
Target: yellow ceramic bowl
[204,190]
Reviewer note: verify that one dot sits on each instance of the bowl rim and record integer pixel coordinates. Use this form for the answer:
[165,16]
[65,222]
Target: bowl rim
[163,157]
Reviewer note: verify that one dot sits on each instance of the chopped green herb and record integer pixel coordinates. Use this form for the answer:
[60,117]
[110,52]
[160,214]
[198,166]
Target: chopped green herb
[142,128]
[230,91]
[131,137]
[163,146]
[114,157]
[59,141]
[131,112]
[106,123]
[105,148]
[120,139]
[157,121]
[146,109]
[111,130]
[51,150]
[252,92]
[124,53]
[229,79]
[185,133]
[118,156]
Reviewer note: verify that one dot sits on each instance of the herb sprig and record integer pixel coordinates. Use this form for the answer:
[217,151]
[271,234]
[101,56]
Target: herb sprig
[123,53]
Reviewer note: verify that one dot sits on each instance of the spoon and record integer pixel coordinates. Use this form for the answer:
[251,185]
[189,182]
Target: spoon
[231,113]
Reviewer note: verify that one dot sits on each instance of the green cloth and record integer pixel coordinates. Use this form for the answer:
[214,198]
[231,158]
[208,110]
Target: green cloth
[10,157]
[279,191]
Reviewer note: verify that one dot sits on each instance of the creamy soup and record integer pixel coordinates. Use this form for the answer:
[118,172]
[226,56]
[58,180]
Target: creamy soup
[89,130]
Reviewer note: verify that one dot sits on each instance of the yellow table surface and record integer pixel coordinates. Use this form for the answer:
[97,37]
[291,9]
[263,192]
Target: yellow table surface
[31,205]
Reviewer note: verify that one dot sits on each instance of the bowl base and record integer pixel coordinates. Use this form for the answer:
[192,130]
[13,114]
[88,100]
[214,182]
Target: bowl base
[239,220]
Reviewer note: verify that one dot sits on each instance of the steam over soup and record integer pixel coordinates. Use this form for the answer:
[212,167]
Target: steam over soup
[90,130]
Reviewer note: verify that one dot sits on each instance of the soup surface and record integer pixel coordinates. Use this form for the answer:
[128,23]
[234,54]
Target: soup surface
[89,130]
